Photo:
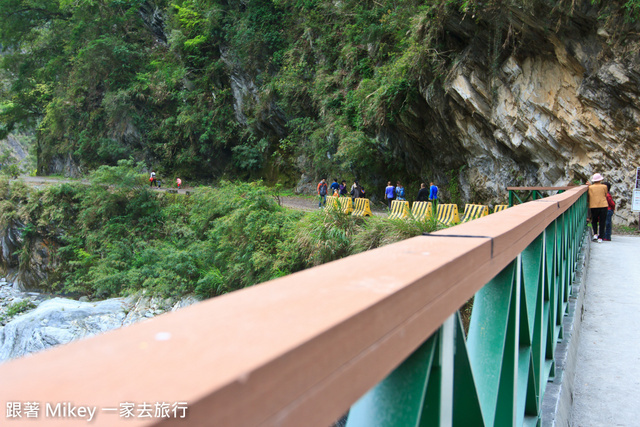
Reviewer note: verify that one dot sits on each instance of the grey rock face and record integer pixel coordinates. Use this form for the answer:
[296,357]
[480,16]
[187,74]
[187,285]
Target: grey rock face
[64,165]
[59,321]
[153,19]
[17,150]
[31,275]
[272,120]
[10,242]
[548,124]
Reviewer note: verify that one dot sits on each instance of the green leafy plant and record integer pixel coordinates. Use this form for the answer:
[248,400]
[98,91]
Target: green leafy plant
[19,307]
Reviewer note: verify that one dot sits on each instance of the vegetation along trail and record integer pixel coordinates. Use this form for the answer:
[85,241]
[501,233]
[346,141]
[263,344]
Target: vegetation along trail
[113,235]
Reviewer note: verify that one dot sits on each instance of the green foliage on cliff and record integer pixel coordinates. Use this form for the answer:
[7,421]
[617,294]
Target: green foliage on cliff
[117,236]
[323,86]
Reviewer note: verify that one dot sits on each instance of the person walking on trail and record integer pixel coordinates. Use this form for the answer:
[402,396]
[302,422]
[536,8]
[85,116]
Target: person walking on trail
[178,183]
[335,187]
[423,193]
[611,208]
[356,191]
[433,192]
[343,188]
[400,193]
[389,194]
[152,179]
[322,192]
[433,195]
[598,204]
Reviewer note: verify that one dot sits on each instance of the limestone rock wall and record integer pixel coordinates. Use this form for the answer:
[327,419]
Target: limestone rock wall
[553,111]
[551,115]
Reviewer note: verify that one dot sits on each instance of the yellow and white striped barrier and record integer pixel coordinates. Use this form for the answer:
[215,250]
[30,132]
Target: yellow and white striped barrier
[346,205]
[362,208]
[498,208]
[448,214]
[399,210]
[422,211]
[332,204]
[472,212]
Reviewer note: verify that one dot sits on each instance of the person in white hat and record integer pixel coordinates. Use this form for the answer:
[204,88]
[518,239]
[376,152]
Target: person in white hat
[598,205]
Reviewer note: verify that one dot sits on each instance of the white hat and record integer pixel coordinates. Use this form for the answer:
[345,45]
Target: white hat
[597,177]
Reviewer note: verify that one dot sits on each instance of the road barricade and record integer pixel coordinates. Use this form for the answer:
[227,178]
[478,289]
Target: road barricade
[472,212]
[422,211]
[362,208]
[346,205]
[448,214]
[399,210]
[332,204]
[498,208]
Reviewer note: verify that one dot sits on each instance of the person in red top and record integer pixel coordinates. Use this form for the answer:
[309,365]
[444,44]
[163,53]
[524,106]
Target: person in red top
[322,192]
[610,210]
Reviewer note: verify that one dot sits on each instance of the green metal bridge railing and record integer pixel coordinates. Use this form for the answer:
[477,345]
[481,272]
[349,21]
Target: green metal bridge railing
[498,372]
[519,195]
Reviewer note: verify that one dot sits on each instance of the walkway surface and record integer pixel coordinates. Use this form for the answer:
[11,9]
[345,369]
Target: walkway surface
[607,383]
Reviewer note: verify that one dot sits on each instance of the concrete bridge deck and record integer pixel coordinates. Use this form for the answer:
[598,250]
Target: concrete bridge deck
[607,383]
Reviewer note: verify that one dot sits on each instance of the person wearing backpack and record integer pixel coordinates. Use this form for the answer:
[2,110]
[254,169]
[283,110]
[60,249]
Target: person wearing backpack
[356,191]
[400,195]
[322,192]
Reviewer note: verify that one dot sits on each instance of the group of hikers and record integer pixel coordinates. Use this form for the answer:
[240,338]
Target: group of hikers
[155,181]
[601,208]
[357,191]
[601,203]
[392,193]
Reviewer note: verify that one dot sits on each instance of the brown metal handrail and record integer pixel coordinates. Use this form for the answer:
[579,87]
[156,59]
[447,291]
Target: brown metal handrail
[296,351]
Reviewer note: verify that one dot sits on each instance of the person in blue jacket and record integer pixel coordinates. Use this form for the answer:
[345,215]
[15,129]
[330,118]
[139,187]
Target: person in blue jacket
[400,194]
[334,188]
[433,192]
[433,195]
[389,193]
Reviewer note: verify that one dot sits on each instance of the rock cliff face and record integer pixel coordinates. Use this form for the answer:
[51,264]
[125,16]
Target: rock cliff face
[550,109]
[33,272]
[17,148]
[558,123]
